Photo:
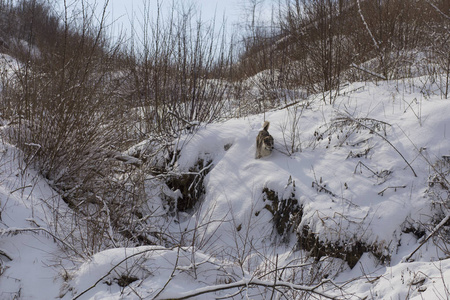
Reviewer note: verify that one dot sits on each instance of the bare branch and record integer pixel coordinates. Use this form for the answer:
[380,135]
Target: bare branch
[369,71]
[251,282]
[384,138]
[13,231]
[117,265]
[438,10]
[375,43]
[435,230]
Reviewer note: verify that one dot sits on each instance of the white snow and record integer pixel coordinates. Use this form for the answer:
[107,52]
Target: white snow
[353,185]
[31,267]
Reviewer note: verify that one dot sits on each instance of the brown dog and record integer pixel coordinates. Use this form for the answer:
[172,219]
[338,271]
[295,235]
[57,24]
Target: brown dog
[264,142]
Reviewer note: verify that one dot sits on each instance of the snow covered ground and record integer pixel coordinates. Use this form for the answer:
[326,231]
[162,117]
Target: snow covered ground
[364,172]
[30,260]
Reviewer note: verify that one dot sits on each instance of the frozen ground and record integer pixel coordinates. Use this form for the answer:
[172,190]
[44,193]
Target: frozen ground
[361,170]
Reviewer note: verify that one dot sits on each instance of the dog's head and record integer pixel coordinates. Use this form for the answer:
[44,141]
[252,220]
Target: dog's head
[268,143]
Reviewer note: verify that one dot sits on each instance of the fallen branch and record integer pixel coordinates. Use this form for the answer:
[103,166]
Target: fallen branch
[391,187]
[21,188]
[360,163]
[4,254]
[435,230]
[321,188]
[246,283]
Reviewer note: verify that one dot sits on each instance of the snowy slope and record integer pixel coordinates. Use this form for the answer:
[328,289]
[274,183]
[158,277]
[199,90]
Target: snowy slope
[360,170]
[354,186]
[30,262]
[357,205]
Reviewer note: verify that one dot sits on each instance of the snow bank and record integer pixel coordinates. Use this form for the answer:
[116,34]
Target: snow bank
[353,184]
[146,272]
[359,171]
[28,255]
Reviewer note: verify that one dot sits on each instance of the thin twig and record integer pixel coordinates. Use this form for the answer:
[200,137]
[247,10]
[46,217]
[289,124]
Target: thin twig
[172,275]
[435,230]
[375,43]
[117,265]
[13,231]
[385,139]
[275,279]
[391,187]
[20,188]
[368,71]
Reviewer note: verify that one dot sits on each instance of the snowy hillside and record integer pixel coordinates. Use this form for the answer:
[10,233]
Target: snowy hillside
[129,169]
[349,193]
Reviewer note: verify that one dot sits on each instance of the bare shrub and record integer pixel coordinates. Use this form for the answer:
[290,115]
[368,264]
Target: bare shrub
[77,101]
[290,128]
[439,51]
[439,193]
[67,121]
[179,78]
[316,31]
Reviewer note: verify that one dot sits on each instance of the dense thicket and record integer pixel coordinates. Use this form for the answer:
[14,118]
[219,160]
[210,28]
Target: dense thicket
[75,99]
[320,44]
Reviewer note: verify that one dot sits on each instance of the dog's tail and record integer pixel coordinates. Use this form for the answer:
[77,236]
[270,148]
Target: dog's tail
[266,125]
